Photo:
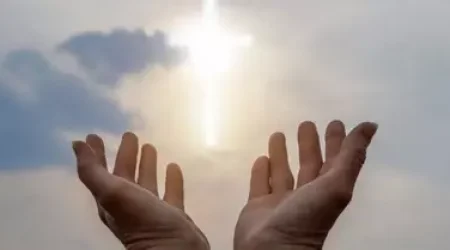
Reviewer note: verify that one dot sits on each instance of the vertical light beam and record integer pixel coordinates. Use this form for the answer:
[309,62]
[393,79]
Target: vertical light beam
[210,10]
[211,98]
[212,52]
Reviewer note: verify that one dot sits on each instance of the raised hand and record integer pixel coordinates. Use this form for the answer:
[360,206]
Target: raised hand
[279,216]
[130,207]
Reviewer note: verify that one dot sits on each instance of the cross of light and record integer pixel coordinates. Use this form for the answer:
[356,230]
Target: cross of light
[212,51]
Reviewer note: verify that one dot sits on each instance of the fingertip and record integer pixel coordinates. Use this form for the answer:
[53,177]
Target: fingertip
[261,166]
[90,170]
[80,148]
[277,145]
[87,164]
[76,147]
[276,137]
[126,158]
[337,122]
[93,137]
[129,136]
[261,161]
[336,126]
[259,180]
[148,148]
[279,165]
[306,130]
[375,126]
[174,193]
[368,129]
[307,126]
[353,155]
[174,169]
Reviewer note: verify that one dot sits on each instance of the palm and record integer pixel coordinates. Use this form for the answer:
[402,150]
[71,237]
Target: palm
[130,206]
[278,216]
[149,221]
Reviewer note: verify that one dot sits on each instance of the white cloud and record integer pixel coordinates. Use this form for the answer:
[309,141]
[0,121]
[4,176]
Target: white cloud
[320,61]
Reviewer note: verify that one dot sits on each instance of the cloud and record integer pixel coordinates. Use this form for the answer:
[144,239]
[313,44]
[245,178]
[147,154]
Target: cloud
[381,60]
[37,101]
[372,60]
[108,57]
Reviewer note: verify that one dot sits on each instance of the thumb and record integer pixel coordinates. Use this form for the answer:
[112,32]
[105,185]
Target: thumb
[354,149]
[93,175]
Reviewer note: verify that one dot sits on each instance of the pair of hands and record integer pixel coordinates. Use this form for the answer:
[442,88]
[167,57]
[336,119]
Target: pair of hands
[277,215]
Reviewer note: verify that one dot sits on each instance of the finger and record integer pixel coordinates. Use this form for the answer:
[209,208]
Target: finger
[281,175]
[334,137]
[259,181]
[174,193]
[96,143]
[353,151]
[147,169]
[127,156]
[310,154]
[120,198]
[90,171]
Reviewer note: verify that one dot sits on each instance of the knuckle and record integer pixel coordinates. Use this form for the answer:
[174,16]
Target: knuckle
[359,156]
[290,181]
[83,169]
[342,196]
[111,195]
[102,216]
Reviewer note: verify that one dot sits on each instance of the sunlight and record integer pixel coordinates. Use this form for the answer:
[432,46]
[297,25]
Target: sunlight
[212,51]
[210,115]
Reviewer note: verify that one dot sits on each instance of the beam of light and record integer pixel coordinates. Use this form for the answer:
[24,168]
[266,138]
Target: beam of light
[212,51]
[211,115]
[210,10]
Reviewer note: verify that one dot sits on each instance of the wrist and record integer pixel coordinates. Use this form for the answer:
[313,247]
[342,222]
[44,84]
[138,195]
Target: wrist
[273,242]
[185,243]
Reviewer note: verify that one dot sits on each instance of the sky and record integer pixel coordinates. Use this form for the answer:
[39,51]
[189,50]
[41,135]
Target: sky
[106,67]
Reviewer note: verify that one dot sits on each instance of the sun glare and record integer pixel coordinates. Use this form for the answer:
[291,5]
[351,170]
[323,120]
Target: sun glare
[212,51]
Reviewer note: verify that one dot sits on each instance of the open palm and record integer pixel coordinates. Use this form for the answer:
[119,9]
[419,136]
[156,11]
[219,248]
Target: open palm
[131,207]
[277,216]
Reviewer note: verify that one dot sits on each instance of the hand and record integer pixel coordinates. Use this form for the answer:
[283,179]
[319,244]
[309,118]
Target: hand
[277,216]
[131,208]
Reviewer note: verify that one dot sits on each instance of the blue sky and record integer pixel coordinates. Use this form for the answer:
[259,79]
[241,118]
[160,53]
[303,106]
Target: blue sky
[110,66]
[39,99]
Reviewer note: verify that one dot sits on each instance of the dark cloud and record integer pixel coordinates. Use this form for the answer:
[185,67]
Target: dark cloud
[107,57]
[57,101]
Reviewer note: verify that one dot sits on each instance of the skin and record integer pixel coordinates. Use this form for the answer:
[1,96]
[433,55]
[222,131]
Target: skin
[283,217]
[130,207]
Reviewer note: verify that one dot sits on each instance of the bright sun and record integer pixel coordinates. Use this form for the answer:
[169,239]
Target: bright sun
[211,52]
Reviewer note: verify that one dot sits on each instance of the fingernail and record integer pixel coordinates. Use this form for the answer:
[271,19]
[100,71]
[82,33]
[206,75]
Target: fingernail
[76,147]
[371,130]
[375,125]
